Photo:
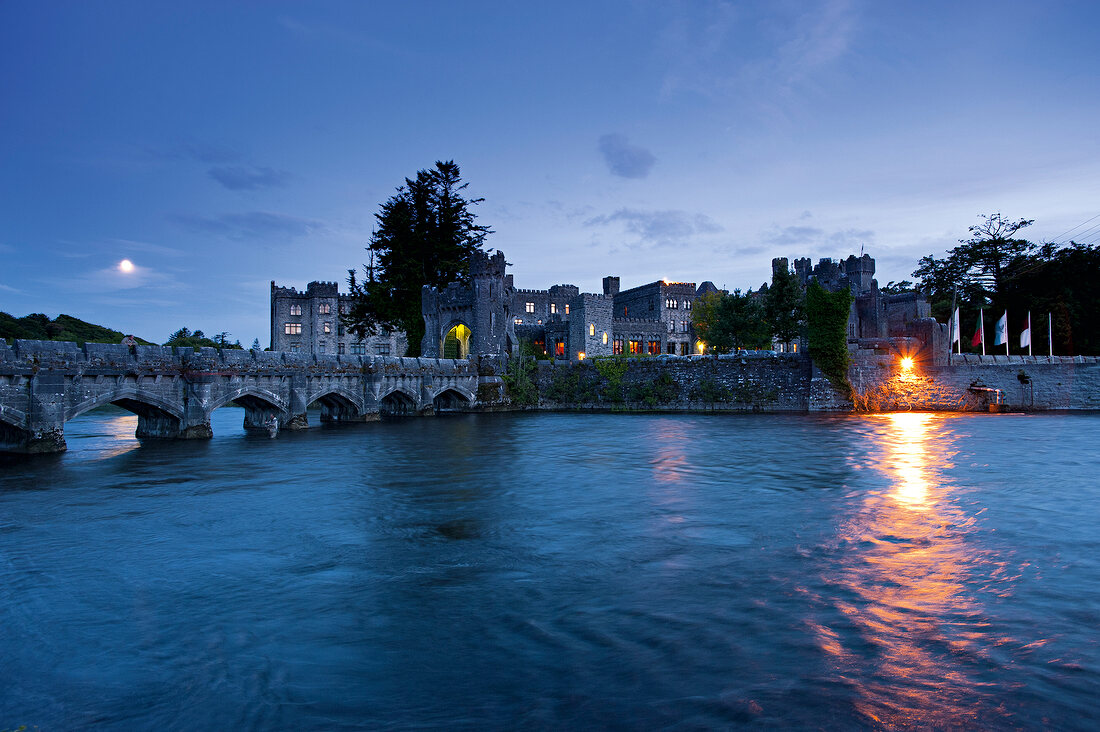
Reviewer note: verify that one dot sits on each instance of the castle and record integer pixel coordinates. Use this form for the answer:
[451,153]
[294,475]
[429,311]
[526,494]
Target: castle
[309,322]
[488,315]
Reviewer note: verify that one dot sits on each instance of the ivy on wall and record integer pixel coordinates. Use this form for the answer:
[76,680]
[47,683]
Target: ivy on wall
[827,332]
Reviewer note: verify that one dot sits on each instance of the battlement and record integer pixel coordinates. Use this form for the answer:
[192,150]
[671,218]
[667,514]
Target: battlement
[482,264]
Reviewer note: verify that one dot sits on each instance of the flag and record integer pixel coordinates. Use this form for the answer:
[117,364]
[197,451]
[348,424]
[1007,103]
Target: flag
[1025,337]
[956,337]
[1001,332]
[979,337]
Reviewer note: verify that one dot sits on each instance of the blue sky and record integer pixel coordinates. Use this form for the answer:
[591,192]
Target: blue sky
[221,146]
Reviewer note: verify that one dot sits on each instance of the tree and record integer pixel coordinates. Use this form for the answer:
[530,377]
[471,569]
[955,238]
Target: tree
[975,271]
[784,306]
[732,321]
[425,235]
[256,345]
[197,339]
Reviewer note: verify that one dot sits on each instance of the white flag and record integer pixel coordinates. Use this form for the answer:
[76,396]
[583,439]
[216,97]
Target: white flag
[1025,337]
[1001,336]
[955,337]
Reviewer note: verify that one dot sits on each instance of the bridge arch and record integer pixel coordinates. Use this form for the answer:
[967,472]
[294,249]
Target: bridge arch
[453,399]
[12,416]
[138,401]
[249,395]
[398,403]
[338,405]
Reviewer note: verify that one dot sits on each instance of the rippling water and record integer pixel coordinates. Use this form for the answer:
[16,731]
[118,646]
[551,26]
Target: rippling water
[557,571]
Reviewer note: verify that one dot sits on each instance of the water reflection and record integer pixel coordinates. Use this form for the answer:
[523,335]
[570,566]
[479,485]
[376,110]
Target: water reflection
[906,580]
[105,433]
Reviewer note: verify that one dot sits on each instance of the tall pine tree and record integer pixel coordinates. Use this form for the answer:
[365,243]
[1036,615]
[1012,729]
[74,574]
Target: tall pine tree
[425,235]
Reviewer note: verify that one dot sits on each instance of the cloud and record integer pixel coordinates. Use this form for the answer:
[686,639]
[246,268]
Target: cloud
[248,178]
[130,245]
[659,227]
[807,239]
[250,225]
[5,288]
[623,159]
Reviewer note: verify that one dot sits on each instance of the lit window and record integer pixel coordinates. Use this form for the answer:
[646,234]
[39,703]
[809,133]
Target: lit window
[617,346]
[559,349]
[591,329]
[654,347]
[687,304]
[605,337]
[324,308]
[635,346]
[567,310]
[529,307]
[327,327]
[295,309]
[519,321]
[292,328]
[553,308]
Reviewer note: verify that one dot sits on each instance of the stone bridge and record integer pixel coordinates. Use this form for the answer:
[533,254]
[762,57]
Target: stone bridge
[173,391]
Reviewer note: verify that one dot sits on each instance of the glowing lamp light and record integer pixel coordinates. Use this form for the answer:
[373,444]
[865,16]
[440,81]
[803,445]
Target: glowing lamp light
[580,355]
[700,346]
[126,266]
[906,363]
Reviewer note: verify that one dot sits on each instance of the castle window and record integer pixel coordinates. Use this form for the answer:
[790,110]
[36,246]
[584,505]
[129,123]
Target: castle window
[344,310]
[382,349]
[687,304]
[529,307]
[617,346]
[292,328]
[591,329]
[295,309]
[358,349]
[654,347]
[635,346]
[322,348]
[559,349]
[340,349]
[553,308]
[328,326]
[684,326]
[567,310]
[294,348]
[324,309]
[519,321]
[605,337]
[672,348]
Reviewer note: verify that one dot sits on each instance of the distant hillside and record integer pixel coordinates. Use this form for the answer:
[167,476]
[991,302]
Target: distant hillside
[39,327]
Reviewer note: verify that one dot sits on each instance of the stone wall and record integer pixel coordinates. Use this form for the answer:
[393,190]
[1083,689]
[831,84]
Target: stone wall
[970,382]
[754,383]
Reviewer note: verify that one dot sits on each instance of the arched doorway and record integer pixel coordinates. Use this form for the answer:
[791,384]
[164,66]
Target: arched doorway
[456,344]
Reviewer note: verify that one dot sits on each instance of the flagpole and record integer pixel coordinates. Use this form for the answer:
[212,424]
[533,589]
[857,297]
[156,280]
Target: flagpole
[953,328]
[1006,331]
[1028,332]
[1050,336]
[981,324]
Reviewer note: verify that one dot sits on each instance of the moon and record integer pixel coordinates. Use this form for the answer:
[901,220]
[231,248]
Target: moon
[126,266]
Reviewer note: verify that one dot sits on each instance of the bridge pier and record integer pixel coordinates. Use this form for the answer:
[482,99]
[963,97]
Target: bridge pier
[40,441]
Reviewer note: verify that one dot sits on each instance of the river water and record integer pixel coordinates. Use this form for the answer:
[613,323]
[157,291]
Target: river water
[557,571]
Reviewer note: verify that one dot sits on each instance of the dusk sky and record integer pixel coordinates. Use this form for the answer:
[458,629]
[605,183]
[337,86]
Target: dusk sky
[221,146]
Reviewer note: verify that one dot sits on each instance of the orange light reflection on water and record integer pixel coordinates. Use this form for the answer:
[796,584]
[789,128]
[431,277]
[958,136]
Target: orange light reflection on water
[904,582]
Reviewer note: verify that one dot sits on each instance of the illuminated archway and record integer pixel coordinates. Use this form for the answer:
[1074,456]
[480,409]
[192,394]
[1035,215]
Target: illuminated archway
[456,344]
